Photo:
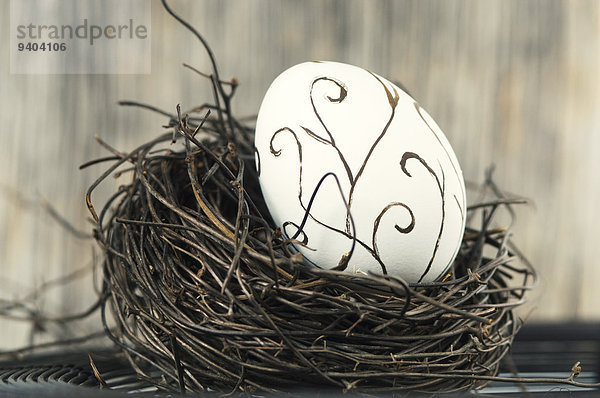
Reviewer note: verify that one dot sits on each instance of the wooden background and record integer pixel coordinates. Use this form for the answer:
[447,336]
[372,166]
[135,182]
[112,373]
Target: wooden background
[515,83]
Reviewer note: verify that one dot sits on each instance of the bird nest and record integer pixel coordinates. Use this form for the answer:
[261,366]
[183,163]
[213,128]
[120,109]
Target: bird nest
[205,289]
[203,293]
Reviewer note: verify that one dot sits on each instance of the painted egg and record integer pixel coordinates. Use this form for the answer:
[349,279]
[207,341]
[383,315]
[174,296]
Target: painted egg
[357,174]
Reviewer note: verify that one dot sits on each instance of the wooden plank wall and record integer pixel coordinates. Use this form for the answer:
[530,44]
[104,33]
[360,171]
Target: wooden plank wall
[515,83]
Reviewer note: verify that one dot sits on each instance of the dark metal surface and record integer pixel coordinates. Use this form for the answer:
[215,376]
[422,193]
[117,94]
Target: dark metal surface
[71,374]
[551,350]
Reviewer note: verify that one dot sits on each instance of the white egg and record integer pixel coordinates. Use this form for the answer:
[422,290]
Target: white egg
[399,177]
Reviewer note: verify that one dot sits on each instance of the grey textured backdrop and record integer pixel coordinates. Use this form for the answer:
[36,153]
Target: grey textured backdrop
[515,83]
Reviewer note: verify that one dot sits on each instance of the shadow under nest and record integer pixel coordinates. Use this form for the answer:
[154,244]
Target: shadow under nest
[207,295]
[203,293]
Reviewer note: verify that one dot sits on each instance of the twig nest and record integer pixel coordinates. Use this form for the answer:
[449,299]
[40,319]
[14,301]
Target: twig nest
[203,293]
